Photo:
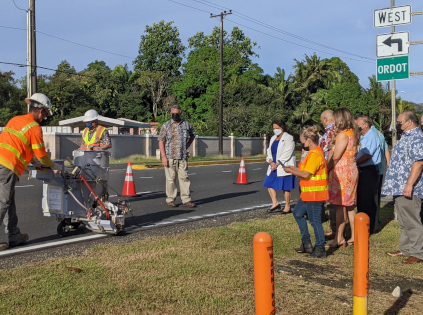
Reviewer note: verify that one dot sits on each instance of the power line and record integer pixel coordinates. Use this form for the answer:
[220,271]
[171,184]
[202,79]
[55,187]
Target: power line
[185,5]
[18,7]
[253,20]
[86,46]
[65,40]
[321,51]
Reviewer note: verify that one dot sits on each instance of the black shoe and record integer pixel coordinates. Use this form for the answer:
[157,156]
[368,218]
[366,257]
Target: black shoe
[22,238]
[274,209]
[319,252]
[306,247]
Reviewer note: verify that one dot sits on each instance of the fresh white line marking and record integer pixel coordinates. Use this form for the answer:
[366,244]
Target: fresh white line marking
[256,169]
[111,196]
[95,236]
[179,220]
[226,171]
[143,192]
[191,174]
[23,186]
[22,249]
[147,177]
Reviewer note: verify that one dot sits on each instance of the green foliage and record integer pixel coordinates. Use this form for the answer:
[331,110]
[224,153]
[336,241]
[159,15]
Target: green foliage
[251,99]
[160,49]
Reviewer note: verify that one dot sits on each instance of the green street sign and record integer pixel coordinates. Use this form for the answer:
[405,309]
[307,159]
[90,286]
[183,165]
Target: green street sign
[393,68]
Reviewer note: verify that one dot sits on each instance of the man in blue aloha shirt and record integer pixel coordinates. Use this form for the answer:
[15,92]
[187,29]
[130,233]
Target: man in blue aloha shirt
[404,182]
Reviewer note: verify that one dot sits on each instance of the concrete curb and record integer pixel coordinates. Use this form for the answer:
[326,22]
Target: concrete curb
[199,163]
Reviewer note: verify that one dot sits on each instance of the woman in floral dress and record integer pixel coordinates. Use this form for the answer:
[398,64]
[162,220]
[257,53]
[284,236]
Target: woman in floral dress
[343,174]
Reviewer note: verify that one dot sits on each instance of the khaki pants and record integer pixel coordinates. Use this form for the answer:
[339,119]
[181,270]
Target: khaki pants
[177,169]
[411,237]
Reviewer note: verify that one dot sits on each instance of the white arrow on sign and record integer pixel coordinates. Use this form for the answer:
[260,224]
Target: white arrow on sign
[393,44]
[392,16]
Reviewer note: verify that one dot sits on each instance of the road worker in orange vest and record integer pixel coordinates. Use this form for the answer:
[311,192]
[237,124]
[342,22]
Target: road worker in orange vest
[94,136]
[312,172]
[20,141]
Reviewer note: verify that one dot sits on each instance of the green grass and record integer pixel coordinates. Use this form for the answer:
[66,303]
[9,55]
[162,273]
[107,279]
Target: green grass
[141,159]
[210,271]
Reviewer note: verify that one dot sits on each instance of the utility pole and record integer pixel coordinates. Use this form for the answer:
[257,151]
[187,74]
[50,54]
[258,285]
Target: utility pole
[393,98]
[31,51]
[221,15]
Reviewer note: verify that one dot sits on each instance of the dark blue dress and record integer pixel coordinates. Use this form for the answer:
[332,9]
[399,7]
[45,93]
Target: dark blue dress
[286,183]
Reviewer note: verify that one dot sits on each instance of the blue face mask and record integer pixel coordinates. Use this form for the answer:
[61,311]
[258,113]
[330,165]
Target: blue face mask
[89,125]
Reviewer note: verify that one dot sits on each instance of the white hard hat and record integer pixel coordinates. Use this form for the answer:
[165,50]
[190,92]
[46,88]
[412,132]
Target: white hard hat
[91,115]
[40,100]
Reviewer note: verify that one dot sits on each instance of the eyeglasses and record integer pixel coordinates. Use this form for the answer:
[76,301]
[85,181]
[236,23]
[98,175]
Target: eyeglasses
[401,123]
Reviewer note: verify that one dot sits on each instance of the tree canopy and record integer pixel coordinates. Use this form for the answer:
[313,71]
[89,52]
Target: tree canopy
[162,77]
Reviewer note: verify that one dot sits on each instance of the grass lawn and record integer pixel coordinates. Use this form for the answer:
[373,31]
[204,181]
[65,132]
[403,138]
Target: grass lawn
[210,271]
[142,159]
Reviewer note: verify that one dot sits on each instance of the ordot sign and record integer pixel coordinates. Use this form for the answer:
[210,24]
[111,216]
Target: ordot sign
[392,16]
[394,68]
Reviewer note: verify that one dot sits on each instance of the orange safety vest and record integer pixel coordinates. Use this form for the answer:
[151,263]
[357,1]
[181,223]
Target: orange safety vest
[19,141]
[95,141]
[315,188]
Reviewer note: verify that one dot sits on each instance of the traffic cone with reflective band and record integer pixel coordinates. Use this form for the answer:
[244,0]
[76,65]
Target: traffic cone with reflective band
[129,185]
[242,176]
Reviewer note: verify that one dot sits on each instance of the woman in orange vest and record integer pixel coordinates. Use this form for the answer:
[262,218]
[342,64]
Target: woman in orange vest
[314,191]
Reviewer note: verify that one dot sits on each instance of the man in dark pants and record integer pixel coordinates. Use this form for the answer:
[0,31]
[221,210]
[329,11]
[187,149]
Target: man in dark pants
[368,159]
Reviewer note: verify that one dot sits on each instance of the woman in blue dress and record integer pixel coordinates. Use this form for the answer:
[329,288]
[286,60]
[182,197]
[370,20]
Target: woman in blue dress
[281,149]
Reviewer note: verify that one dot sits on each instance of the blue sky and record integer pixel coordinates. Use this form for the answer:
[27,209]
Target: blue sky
[116,26]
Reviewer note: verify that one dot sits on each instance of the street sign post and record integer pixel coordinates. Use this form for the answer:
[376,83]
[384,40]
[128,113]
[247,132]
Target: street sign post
[394,68]
[393,44]
[392,16]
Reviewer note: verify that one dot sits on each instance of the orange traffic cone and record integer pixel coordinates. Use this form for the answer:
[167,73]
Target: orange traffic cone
[129,185]
[242,176]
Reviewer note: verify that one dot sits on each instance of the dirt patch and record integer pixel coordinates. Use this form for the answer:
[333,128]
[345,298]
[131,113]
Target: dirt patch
[335,276]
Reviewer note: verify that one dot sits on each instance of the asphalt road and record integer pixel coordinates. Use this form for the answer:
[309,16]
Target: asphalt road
[212,189]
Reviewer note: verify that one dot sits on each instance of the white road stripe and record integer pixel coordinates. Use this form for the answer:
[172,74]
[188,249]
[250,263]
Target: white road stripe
[23,186]
[191,174]
[146,177]
[21,249]
[111,196]
[226,171]
[143,192]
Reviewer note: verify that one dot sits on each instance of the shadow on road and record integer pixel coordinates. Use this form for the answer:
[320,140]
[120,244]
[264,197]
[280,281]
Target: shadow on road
[151,218]
[224,196]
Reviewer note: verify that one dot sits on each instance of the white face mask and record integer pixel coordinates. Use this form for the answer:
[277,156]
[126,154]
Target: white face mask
[277,132]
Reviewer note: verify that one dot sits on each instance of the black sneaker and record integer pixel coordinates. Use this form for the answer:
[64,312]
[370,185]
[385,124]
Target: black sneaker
[22,238]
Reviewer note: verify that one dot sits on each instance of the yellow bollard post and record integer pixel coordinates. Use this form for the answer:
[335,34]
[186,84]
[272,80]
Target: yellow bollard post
[264,276]
[361,263]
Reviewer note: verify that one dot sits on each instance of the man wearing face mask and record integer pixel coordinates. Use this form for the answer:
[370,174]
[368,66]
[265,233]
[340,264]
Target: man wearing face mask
[368,160]
[176,136]
[20,141]
[94,136]
[404,182]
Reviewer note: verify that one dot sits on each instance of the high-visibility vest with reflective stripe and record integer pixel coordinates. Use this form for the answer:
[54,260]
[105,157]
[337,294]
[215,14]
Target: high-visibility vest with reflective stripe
[95,140]
[315,188]
[19,141]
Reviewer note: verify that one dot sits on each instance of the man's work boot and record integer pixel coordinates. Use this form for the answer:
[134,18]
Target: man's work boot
[306,247]
[22,238]
[319,252]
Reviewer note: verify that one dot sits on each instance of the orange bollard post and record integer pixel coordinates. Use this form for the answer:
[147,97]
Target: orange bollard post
[264,276]
[361,263]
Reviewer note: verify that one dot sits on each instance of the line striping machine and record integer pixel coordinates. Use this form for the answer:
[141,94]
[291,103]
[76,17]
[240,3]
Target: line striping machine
[79,194]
